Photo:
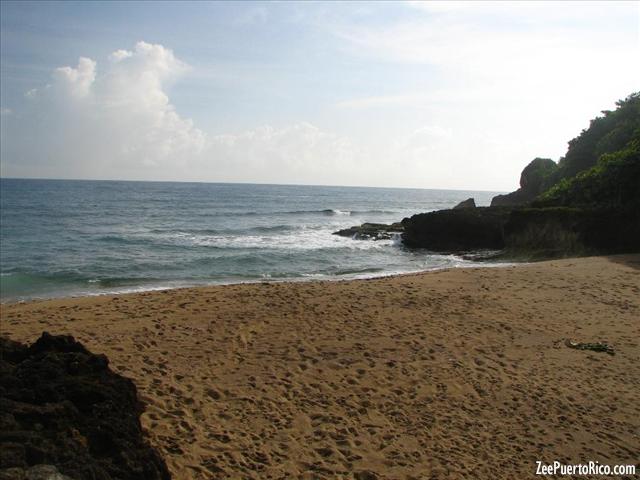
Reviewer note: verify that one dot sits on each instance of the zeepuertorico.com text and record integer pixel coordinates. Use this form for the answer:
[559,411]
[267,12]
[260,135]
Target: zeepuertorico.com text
[590,468]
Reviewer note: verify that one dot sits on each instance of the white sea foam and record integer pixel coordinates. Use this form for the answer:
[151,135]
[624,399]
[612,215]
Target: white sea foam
[108,237]
[303,239]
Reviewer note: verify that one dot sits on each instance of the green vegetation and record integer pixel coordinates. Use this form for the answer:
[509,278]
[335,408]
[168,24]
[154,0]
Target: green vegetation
[589,202]
[607,134]
[613,182]
[601,167]
[586,204]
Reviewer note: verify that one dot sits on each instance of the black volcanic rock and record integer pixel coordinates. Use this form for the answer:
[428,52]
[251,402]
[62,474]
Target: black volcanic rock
[513,199]
[468,203]
[532,233]
[564,231]
[371,231]
[62,407]
[456,230]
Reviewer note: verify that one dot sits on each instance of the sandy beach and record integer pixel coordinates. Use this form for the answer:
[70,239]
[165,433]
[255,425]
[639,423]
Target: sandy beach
[459,373]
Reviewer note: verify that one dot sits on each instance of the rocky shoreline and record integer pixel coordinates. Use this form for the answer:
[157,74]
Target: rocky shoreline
[587,203]
[594,212]
[518,232]
[372,231]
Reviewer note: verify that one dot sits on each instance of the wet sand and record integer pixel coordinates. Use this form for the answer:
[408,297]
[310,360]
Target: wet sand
[453,374]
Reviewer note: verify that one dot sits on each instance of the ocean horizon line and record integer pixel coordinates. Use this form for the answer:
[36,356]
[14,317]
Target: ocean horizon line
[205,182]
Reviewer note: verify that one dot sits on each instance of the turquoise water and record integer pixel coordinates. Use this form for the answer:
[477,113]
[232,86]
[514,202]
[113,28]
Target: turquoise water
[67,238]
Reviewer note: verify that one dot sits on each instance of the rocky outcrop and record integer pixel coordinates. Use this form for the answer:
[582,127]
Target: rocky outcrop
[457,230]
[468,203]
[371,231]
[513,199]
[532,181]
[587,203]
[563,231]
[62,408]
[527,233]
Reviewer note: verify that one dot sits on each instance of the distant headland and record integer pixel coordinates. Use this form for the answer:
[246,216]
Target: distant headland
[587,203]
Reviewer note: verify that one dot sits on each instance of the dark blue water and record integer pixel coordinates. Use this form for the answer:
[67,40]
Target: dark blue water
[64,238]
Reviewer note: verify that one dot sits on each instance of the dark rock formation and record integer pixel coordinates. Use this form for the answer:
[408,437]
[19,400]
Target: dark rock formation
[587,203]
[371,231]
[531,233]
[468,203]
[532,180]
[533,175]
[562,231]
[456,230]
[61,406]
[511,199]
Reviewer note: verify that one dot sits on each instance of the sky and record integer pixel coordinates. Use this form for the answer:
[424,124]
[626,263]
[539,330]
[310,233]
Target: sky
[451,95]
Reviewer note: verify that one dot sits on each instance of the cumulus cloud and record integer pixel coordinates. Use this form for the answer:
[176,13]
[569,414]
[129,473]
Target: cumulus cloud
[115,120]
[89,122]
[75,82]
[119,55]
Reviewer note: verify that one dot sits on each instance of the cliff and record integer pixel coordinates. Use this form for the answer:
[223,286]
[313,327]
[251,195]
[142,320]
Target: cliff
[539,233]
[587,203]
[607,135]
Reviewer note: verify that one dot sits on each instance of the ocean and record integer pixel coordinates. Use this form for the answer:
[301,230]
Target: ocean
[64,238]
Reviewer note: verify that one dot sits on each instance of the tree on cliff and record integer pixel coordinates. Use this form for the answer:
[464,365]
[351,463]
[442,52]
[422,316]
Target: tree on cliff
[599,162]
[606,134]
[613,182]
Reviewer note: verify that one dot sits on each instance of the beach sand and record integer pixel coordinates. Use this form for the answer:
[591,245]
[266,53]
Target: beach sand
[460,373]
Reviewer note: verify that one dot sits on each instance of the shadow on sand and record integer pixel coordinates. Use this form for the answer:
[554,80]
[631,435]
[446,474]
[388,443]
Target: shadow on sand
[630,260]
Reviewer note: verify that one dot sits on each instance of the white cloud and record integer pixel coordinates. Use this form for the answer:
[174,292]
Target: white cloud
[111,123]
[427,133]
[299,153]
[535,47]
[495,39]
[119,123]
[454,95]
[421,99]
[119,55]
[75,82]
[514,80]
